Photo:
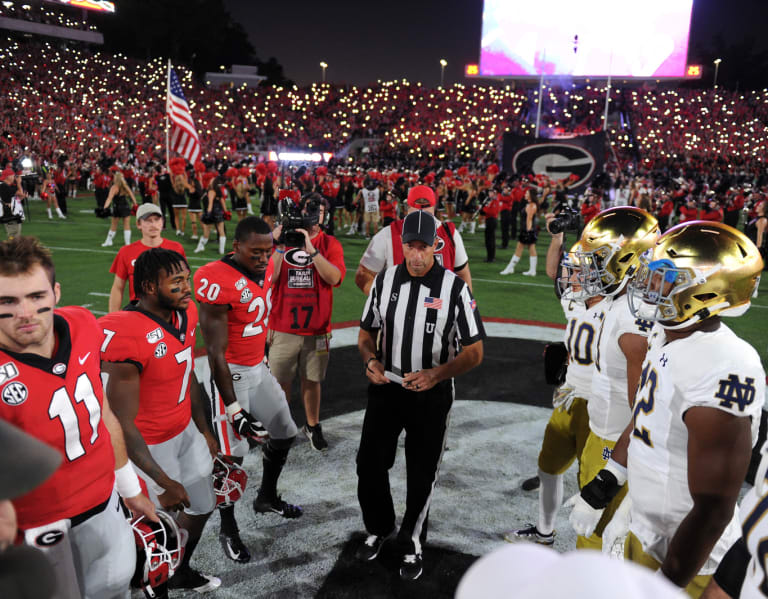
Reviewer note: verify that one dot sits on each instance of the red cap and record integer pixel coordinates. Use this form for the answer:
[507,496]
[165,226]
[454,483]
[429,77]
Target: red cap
[8,172]
[421,196]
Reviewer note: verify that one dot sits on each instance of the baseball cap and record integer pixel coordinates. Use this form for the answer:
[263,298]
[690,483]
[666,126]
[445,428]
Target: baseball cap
[419,226]
[146,210]
[24,461]
[421,196]
[537,572]
[7,172]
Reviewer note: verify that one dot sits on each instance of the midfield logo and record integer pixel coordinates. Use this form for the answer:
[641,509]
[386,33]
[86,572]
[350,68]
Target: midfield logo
[733,391]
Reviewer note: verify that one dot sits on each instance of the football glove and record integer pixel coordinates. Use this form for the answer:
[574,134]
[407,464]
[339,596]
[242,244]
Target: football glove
[246,425]
[589,505]
[618,527]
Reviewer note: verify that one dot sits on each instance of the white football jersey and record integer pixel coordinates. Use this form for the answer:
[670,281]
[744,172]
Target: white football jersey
[706,369]
[581,342]
[609,411]
[754,529]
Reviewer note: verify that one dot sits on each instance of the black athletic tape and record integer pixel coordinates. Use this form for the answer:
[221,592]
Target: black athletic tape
[41,310]
[175,289]
[5,315]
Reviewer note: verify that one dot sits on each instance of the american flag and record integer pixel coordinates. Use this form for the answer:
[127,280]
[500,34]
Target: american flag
[184,139]
[433,302]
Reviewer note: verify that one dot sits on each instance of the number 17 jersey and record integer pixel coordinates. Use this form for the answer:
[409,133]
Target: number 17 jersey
[226,283]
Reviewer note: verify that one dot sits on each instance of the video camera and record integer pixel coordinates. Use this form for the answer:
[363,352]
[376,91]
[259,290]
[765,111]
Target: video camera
[293,216]
[566,218]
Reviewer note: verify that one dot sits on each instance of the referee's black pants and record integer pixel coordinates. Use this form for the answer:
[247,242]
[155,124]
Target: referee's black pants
[424,417]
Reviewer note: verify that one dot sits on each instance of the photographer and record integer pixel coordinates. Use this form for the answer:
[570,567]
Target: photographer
[308,264]
[11,211]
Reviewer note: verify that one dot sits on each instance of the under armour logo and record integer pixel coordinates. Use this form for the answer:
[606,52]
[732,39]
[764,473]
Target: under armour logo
[663,359]
[607,451]
[733,391]
[644,325]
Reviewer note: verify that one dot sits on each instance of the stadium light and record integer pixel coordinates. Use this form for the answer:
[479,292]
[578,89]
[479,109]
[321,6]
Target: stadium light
[443,64]
[323,65]
[717,62]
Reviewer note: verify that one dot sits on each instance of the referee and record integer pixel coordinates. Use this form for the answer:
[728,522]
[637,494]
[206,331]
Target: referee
[430,332]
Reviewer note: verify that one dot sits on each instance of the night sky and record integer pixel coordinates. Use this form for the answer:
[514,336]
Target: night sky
[395,39]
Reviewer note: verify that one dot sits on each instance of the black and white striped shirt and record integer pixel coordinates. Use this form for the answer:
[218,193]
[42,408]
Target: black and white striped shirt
[423,320]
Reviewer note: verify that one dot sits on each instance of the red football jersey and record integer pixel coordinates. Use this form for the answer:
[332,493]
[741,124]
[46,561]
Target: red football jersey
[58,401]
[163,353]
[224,282]
[302,301]
[122,265]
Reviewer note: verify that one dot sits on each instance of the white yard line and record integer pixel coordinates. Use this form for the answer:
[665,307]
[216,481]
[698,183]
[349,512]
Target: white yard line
[98,293]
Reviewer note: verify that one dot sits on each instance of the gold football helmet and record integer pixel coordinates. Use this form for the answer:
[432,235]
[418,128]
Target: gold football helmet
[698,269]
[611,246]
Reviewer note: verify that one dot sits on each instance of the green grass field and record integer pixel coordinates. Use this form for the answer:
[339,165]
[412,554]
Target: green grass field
[83,269]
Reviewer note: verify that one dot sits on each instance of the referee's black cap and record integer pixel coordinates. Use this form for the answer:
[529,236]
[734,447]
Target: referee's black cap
[419,226]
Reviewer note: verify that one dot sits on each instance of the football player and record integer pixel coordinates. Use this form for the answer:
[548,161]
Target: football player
[610,249]
[568,427]
[147,355]
[235,295]
[696,416]
[51,389]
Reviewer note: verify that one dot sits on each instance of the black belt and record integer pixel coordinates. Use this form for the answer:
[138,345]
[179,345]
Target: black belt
[80,518]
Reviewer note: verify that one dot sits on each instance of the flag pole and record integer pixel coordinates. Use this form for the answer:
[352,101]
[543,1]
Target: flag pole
[608,93]
[167,123]
[541,93]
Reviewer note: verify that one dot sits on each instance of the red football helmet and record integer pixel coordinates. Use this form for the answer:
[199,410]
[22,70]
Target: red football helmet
[229,480]
[159,549]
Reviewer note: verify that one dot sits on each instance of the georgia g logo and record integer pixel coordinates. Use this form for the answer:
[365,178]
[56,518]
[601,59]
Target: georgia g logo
[297,257]
[557,161]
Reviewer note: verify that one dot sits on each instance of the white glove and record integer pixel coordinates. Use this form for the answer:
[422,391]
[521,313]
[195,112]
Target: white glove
[584,517]
[618,526]
[563,396]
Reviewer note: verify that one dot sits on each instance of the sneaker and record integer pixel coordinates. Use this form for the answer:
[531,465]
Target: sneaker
[531,484]
[529,273]
[371,548]
[509,270]
[315,436]
[278,506]
[194,237]
[192,580]
[106,244]
[234,548]
[411,566]
[531,533]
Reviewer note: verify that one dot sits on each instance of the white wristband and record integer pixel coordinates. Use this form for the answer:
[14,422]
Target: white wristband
[619,471]
[233,409]
[127,482]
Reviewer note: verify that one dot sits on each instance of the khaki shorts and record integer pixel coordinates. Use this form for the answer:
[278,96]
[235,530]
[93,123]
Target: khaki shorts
[12,229]
[370,217]
[307,354]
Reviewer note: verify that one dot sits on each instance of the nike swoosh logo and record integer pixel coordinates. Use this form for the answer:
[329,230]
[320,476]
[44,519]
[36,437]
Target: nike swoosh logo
[83,358]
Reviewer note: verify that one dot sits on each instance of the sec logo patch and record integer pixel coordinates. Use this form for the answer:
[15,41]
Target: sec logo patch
[161,349]
[15,393]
